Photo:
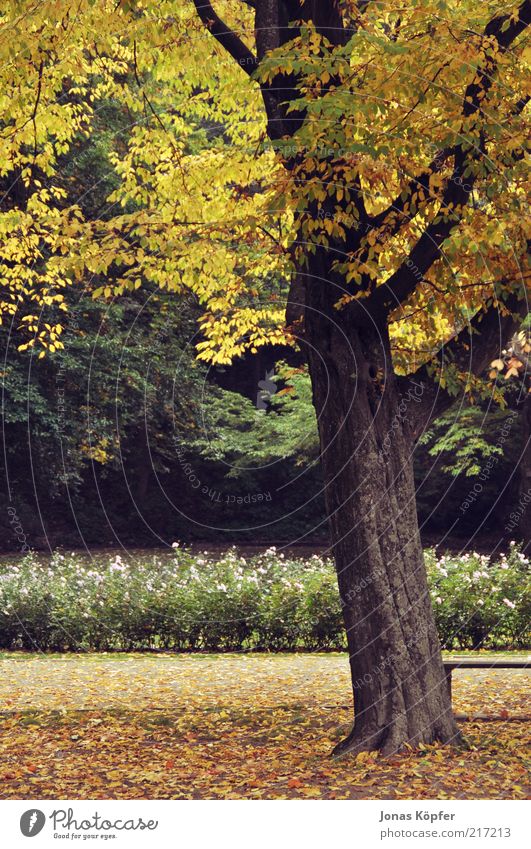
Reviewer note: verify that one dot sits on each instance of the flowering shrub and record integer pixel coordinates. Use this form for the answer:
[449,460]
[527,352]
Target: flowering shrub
[481,603]
[187,602]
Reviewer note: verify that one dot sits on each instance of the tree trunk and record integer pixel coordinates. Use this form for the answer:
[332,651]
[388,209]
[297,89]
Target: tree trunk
[400,689]
[366,439]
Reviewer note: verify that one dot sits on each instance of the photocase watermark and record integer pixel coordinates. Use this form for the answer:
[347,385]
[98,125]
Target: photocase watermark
[66,826]
[71,329]
[346,220]
[18,529]
[32,822]
[379,668]
[266,389]
[64,819]
[188,470]
[415,270]
[218,496]
[516,515]
[413,395]
[491,463]
[346,599]
[215,495]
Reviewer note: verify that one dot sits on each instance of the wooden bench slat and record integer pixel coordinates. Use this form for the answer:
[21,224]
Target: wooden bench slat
[480,663]
[485,663]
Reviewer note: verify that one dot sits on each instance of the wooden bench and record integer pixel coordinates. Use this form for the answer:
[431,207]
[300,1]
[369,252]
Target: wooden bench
[482,663]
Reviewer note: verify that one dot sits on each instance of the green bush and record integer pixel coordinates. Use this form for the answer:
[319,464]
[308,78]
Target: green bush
[481,604]
[187,602]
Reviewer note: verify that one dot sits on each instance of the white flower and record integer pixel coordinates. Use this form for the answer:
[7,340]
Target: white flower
[439,600]
[510,604]
[175,545]
[481,602]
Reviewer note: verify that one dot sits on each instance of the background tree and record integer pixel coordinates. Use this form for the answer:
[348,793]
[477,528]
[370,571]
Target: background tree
[515,363]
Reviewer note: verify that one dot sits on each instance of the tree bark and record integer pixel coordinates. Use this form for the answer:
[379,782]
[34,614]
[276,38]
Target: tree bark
[400,689]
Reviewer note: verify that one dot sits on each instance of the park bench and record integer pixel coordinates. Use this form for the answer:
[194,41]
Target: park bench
[482,663]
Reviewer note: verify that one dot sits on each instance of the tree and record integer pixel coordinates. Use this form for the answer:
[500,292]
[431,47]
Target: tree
[373,156]
[350,117]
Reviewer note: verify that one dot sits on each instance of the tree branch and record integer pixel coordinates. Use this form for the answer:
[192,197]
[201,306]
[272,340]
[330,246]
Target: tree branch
[226,37]
[427,250]
[471,350]
[391,217]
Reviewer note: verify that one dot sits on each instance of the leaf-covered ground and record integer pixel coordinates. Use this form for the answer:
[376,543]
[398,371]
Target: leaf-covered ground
[233,726]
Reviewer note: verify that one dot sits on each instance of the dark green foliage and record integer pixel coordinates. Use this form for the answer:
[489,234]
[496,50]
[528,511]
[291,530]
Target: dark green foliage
[465,439]
[124,435]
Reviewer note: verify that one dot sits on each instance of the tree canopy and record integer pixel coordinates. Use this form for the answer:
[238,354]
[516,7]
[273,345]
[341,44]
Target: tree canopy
[404,130]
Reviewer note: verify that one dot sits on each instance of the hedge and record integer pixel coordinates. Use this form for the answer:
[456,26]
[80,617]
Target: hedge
[186,602]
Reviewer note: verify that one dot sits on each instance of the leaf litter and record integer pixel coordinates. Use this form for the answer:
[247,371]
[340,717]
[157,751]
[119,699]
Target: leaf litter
[236,727]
